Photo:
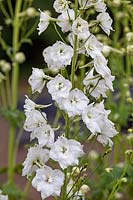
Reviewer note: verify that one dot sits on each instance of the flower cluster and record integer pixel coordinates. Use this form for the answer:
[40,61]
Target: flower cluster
[85,103]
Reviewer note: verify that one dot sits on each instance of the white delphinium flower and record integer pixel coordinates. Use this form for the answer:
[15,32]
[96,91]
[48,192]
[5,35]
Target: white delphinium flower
[66,152]
[80,28]
[44,21]
[98,5]
[36,158]
[92,118]
[44,134]
[107,131]
[30,105]
[65,20]
[93,46]
[37,80]
[96,119]
[48,181]
[58,56]
[100,65]
[34,119]
[75,103]
[60,5]
[59,87]
[3,197]
[105,22]
[96,85]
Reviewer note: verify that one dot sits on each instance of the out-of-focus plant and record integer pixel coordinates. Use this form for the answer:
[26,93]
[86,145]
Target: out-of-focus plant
[120,52]
[19,20]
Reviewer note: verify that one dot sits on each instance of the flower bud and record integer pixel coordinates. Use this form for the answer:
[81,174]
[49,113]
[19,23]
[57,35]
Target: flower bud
[130,130]
[5,66]
[31,12]
[93,155]
[124,180]
[116,3]
[130,49]
[129,100]
[20,57]
[129,36]
[118,195]
[109,169]
[129,152]
[84,189]
[106,50]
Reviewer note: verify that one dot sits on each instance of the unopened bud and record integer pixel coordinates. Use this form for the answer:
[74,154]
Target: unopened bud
[130,130]
[5,66]
[118,195]
[106,50]
[129,152]
[130,49]
[31,12]
[123,180]
[109,169]
[84,189]
[129,100]
[129,36]
[116,3]
[20,57]
[93,155]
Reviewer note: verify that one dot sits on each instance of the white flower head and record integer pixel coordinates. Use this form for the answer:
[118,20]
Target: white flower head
[37,80]
[65,20]
[93,46]
[59,87]
[36,157]
[100,65]
[60,5]
[44,134]
[44,22]
[80,27]
[58,56]
[48,181]
[96,85]
[75,104]
[30,106]
[34,120]
[98,5]
[66,152]
[105,22]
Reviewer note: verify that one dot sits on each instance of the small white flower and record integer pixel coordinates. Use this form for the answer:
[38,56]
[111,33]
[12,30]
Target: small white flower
[66,152]
[44,22]
[92,118]
[80,27]
[105,22]
[75,104]
[60,5]
[34,119]
[100,65]
[97,85]
[98,5]
[65,20]
[59,87]
[44,134]
[96,119]
[37,80]
[93,46]
[58,56]
[48,181]
[36,157]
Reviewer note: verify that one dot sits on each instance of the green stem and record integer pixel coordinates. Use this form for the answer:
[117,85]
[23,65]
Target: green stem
[74,60]
[5,13]
[8,89]
[15,74]
[10,7]
[118,183]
